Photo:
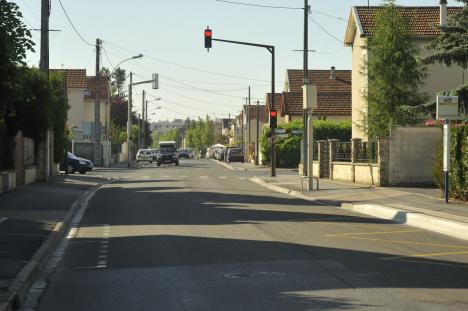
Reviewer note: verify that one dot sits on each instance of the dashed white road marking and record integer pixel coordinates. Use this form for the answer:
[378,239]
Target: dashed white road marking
[242,178]
[104,248]
[203,177]
[2,219]
[183,176]
[165,176]
[146,177]
[222,177]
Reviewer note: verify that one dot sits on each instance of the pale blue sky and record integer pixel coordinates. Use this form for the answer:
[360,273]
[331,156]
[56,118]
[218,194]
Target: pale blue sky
[172,31]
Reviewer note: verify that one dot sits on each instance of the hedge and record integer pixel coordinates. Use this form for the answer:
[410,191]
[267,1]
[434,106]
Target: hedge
[458,174]
[288,150]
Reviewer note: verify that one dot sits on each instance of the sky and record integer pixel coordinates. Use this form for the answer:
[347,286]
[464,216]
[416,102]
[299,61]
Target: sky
[194,82]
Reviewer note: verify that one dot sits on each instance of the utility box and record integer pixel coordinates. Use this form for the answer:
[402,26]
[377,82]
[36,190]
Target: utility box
[309,96]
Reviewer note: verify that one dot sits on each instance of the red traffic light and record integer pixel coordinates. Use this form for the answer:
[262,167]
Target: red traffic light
[208,35]
[273,113]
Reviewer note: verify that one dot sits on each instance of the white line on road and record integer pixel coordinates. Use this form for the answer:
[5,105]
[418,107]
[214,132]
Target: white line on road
[104,251]
[3,219]
[183,176]
[146,177]
[72,233]
[242,178]
[204,177]
[222,177]
[165,176]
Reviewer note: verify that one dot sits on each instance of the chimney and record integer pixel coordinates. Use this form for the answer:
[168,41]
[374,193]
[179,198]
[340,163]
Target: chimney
[332,73]
[443,12]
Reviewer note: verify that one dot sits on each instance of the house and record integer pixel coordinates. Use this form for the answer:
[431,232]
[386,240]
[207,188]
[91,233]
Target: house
[254,118]
[333,94]
[81,96]
[423,25]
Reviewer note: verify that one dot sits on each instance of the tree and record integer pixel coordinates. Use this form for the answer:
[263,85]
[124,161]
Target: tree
[452,45]
[394,73]
[15,41]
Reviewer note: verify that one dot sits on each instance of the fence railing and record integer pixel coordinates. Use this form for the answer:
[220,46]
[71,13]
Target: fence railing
[367,153]
[315,156]
[342,152]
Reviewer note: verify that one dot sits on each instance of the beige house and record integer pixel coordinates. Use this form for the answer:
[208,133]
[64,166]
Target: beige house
[333,94]
[81,94]
[423,21]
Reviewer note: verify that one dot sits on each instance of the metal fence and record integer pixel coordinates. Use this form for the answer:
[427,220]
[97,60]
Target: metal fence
[116,149]
[368,152]
[315,152]
[342,152]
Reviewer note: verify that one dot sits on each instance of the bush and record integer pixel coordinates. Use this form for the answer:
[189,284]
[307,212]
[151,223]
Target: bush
[458,175]
[288,150]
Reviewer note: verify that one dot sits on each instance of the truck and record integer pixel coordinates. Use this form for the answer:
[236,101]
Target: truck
[167,153]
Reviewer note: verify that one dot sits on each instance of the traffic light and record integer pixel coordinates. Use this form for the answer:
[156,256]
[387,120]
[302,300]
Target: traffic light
[273,119]
[208,35]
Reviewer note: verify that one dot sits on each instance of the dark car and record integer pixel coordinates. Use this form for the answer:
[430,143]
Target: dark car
[235,155]
[167,153]
[221,155]
[184,153]
[77,164]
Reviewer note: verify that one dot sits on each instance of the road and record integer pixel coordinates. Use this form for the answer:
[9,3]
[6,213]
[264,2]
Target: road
[202,237]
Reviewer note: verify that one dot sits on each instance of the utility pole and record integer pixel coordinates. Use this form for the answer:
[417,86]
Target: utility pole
[45,13]
[258,123]
[97,107]
[44,66]
[145,119]
[305,82]
[142,145]
[139,127]
[129,122]
[248,120]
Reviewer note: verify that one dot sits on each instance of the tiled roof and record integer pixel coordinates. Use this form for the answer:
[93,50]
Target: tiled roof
[278,101]
[262,112]
[333,103]
[75,78]
[423,20]
[320,78]
[328,103]
[91,88]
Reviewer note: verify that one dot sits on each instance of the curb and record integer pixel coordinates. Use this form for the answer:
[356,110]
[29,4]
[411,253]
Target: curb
[452,228]
[19,288]
[226,165]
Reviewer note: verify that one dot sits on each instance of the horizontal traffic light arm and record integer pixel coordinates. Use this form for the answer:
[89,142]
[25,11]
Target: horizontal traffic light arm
[268,47]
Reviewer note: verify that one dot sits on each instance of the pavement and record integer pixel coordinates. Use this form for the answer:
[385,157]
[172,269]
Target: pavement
[33,219]
[204,236]
[419,207]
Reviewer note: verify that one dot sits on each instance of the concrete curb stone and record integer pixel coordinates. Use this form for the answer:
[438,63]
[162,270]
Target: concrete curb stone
[453,228]
[18,289]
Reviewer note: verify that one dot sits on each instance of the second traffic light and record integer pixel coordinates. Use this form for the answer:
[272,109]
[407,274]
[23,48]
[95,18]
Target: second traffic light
[273,119]
[208,37]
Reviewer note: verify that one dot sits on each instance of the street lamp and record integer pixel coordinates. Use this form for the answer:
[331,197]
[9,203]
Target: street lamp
[109,93]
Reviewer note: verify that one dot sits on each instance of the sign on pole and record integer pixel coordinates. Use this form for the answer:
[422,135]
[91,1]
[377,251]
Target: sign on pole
[280,131]
[447,108]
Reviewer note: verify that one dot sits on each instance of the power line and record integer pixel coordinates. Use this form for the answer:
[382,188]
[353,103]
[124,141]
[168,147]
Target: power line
[189,67]
[328,15]
[107,57]
[73,26]
[324,30]
[261,5]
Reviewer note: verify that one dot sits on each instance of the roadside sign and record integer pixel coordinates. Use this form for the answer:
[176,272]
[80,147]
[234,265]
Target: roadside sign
[282,135]
[447,108]
[280,131]
[297,132]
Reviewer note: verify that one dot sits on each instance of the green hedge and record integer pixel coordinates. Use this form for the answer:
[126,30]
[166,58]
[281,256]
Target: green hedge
[288,150]
[458,175]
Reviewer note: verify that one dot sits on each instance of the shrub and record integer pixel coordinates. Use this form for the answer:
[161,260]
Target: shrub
[288,150]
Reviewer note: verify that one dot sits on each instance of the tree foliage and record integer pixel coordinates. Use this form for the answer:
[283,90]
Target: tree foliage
[200,134]
[395,74]
[451,47]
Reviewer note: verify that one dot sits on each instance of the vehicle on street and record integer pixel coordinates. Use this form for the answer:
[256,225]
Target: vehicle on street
[234,155]
[202,154]
[191,154]
[154,153]
[144,155]
[77,164]
[184,153]
[221,154]
[167,153]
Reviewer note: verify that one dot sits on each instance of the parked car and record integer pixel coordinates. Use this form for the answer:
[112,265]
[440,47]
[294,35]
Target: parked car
[202,153]
[235,155]
[191,154]
[144,155]
[77,164]
[167,153]
[221,154]
[154,153]
[184,153]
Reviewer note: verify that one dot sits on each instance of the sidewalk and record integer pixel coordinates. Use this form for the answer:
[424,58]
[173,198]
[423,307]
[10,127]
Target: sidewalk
[33,218]
[419,207]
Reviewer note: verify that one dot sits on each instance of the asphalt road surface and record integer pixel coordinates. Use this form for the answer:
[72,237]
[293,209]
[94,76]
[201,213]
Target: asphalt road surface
[202,237]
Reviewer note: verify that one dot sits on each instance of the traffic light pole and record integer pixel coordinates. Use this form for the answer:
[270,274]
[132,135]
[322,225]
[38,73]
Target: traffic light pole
[271,49]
